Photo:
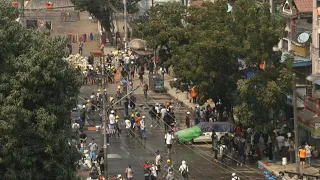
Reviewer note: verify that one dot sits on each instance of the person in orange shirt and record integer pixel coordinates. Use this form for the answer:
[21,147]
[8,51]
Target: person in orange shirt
[138,123]
[302,156]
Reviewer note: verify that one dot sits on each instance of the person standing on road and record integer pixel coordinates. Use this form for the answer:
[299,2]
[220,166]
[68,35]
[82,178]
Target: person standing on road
[214,144]
[81,47]
[93,149]
[117,126]
[119,95]
[112,121]
[169,167]
[184,170]
[126,106]
[143,128]
[158,161]
[153,114]
[133,125]
[146,170]
[145,90]
[188,119]
[302,156]
[129,172]
[168,139]
[308,153]
[153,172]
[128,126]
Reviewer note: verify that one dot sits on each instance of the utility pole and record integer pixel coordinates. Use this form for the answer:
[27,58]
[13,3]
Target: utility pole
[295,117]
[125,25]
[105,146]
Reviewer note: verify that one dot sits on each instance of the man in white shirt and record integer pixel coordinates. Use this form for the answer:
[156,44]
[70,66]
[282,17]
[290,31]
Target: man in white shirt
[158,161]
[163,112]
[280,141]
[127,60]
[112,121]
[143,128]
[128,126]
[168,138]
[184,170]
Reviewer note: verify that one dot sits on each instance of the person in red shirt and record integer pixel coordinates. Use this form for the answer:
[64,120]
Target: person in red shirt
[146,170]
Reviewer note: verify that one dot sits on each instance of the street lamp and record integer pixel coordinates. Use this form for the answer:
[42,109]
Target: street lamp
[105,146]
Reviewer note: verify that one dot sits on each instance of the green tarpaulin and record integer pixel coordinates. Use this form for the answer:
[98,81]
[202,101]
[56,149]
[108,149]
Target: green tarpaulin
[188,134]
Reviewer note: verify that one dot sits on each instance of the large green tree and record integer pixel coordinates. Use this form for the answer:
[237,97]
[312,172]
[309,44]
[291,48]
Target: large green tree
[37,88]
[208,59]
[262,96]
[164,28]
[103,10]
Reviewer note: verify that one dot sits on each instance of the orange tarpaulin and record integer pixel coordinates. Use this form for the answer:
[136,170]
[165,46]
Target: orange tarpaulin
[192,93]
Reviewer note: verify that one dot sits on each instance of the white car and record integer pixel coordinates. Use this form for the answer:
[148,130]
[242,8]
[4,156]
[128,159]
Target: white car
[206,136]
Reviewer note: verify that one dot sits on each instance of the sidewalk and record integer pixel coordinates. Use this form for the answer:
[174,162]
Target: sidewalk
[276,167]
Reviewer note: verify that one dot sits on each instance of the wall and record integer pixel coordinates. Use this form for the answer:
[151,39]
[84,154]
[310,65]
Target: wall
[315,40]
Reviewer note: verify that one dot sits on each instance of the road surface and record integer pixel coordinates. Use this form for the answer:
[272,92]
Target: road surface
[123,151]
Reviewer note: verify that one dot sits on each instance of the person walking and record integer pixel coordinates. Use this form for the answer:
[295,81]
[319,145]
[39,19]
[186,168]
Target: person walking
[81,47]
[169,167]
[153,172]
[168,140]
[188,119]
[93,146]
[302,156]
[145,90]
[143,128]
[129,172]
[184,170]
[128,126]
[158,161]
[146,170]
[214,144]
[308,153]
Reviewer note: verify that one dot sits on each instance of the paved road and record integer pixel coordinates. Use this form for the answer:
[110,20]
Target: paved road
[124,151]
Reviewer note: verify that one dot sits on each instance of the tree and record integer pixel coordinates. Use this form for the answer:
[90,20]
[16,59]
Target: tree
[37,90]
[262,96]
[103,12]
[100,9]
[208,59]
[164,28]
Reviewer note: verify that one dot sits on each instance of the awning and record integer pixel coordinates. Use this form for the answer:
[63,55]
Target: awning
[298,61]
[137,44]
[142,53]
[315,78]
[310,122]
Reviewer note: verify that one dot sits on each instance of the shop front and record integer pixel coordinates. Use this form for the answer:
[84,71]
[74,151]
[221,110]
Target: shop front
[309,121]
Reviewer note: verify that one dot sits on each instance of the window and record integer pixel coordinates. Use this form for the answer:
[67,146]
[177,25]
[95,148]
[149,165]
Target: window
[32,24]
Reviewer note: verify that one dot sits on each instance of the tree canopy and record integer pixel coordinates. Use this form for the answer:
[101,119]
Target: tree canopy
[101,10]
[37,88]
[205,44]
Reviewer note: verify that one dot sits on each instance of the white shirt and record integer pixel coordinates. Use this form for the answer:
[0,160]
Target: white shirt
[163,112]
[128,123]
[127,60]
[112,119]
[157,109]
[280,140]
[169,138]
[85,73]
[154,171]
[142,124]
[75,126]
[158,159]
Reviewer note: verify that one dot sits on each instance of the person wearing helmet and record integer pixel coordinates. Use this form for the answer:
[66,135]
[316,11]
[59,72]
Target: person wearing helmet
[119,95]
[184,170]
[112,121]
[235,177]
[143,134]
[169,167]
[188,119]
[116,126]
[133,125]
